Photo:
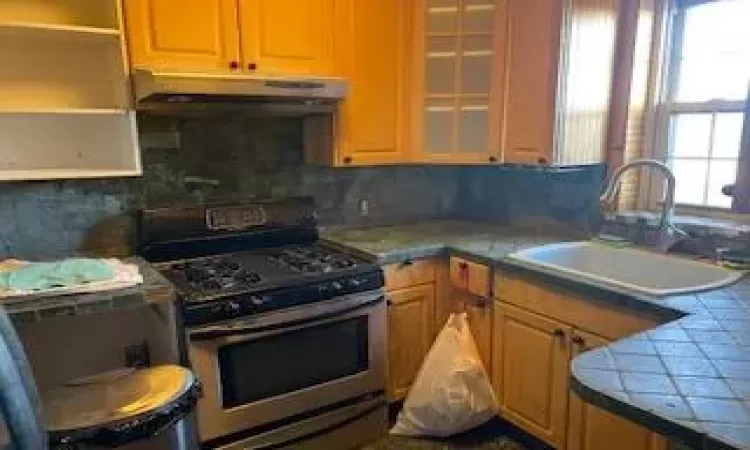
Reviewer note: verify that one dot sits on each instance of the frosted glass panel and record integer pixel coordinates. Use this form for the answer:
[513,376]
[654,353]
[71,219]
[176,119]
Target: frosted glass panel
[477,16]
[476,65]
[691,136]
[441,75]
[720,174]
[473,129]
[440,68]
[442,20]
[439,132]
[691,181]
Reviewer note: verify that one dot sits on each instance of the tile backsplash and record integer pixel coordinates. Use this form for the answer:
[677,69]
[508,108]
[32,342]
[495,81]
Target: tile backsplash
[223,158]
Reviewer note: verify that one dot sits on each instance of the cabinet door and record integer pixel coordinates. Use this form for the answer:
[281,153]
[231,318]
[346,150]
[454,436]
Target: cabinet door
[175,34]
[592,428]
[287,36]
[372,47]
[479,316]
[410,319]
[534,35]
[458,69]
[530,371]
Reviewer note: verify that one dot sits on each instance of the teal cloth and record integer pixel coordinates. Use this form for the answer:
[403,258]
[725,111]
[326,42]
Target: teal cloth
[47,275]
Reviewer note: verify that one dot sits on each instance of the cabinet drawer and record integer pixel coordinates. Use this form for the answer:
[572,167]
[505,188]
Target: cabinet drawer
[470,276]
[409,273]
[610,321]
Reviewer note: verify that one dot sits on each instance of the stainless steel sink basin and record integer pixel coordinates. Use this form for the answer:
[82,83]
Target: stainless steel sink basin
[635,270]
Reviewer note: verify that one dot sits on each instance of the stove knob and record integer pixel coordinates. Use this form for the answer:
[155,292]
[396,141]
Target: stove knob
[232,308]
[336,286]
[258,300]
[355,283]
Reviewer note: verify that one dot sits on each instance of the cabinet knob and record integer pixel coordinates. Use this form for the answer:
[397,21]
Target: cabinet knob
[388,302]
[558,333]
[493,159]
[407,263]
[234,65]
[252,66]
[542,161]
[463,266]
[578,340]
[347,160]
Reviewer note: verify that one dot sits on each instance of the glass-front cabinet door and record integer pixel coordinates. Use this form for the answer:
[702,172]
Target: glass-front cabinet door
[459,79]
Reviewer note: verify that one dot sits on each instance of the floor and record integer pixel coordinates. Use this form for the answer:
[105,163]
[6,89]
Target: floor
[495,435]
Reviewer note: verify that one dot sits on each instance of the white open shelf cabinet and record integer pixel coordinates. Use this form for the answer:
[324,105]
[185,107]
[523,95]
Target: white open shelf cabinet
[65,102]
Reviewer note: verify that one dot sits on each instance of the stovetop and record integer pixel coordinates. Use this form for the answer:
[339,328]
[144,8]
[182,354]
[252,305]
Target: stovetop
[234,260]
[204,279]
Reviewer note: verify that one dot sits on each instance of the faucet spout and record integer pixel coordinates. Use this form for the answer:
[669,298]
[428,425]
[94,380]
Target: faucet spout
[669,234]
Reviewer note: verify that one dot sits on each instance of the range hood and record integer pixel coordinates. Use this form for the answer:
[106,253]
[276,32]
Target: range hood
[286,95]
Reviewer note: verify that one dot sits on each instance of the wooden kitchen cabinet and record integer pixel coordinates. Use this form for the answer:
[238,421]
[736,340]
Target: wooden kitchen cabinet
[372,49]
[287,36]
[530,372]
[410,335]
[175,34]
[592,428]
[284,36]
[532,68]
[538,329]
[458,70]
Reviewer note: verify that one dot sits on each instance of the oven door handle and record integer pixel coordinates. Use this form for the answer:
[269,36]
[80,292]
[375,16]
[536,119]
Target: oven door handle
[222,331]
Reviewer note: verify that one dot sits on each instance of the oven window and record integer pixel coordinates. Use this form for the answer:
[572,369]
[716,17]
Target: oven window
[267,367]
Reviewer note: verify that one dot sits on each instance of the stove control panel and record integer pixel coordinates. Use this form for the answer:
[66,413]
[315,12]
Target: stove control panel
[230,307]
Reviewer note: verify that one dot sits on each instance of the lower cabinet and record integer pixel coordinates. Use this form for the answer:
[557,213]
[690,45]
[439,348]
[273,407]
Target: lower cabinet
[530,360]
[531,356]
[411,313]
[592,428]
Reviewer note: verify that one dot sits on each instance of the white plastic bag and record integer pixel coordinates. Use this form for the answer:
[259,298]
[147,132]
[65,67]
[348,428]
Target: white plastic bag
[452,392]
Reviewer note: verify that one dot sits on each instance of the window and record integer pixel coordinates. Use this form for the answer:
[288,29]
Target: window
[708,77]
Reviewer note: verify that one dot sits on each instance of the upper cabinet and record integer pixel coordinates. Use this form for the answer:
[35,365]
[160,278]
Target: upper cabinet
[458,79]
[174,34]
[65,102]
[372,52]
[531,71]
[285,36]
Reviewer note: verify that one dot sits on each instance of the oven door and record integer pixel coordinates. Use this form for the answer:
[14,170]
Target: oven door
[268,368]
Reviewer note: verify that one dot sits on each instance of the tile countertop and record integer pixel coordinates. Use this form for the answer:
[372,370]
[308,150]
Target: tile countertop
[155,289]
[688,379]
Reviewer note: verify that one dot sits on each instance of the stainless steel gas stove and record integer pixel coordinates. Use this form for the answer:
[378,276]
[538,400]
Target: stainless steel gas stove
[286,333]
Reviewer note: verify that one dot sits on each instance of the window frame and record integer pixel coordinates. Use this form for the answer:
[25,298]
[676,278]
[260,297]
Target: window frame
[664,79]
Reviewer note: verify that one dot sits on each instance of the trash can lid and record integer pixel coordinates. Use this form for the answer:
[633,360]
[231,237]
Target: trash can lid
[114,397]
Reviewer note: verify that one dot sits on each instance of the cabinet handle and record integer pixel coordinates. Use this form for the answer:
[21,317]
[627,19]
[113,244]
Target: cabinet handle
[252,66]
[493,159]
[463,266]
[407,263]
[558,333]
[388,302]
[542,161]
[578,340]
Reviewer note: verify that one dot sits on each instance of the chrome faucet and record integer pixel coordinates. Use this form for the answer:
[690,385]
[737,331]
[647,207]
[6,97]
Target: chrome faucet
[669,235]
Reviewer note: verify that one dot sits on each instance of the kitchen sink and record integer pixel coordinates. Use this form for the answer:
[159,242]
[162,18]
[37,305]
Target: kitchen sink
[641,271]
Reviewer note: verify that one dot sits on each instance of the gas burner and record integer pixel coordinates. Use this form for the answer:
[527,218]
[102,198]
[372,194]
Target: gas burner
[312,259]
[216,274]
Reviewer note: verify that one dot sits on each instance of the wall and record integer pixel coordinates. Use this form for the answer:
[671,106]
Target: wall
[225,158]
[533,196]
[218,159]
